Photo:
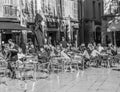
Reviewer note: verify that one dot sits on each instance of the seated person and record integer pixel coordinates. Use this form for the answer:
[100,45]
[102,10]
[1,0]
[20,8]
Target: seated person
[81,47]
[100,48]
[57,50]
[63,54]
[95,53]
[12,56]
[30,47]
[110,49]
[43,55]
[114,50]
[20,54]
[2,56]
[64,43]
[95,56]
[85,55]
[12,50]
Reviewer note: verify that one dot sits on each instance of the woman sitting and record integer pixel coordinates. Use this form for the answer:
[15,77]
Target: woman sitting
[95,56]
[21,56]
[86,57]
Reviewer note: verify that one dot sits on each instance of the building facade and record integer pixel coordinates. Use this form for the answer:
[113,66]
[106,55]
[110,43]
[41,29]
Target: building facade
[90,16]
[111,16]
[61,18]
[9,18]
[8,8]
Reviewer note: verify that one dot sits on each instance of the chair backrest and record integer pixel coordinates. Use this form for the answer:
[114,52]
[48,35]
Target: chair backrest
[3,65]
[77,58]
[29,66]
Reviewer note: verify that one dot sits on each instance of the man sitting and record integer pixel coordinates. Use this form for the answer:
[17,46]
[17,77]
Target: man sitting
[12,56]
[43,55]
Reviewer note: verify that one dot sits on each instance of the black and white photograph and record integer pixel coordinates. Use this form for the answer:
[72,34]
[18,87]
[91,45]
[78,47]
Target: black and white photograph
[59,46]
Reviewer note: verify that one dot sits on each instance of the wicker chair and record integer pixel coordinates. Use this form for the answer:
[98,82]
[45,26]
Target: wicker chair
[43,65]
[76,60]
[30,65]
[56,64]
[66,64]
[3,68]
[94,60]
[107,60]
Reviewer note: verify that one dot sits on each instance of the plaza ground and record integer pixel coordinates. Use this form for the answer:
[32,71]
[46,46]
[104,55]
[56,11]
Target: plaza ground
[90,80]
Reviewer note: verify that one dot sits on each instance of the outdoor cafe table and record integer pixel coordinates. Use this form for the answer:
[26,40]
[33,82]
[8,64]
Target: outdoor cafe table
[59,60]
[106,57]
[31,64]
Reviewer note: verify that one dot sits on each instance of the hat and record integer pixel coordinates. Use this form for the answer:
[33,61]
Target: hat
[10,40]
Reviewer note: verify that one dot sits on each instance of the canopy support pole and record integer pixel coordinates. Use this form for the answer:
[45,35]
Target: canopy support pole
[115,38]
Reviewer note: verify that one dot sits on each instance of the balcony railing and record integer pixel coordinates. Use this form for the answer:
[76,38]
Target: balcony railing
[10,11]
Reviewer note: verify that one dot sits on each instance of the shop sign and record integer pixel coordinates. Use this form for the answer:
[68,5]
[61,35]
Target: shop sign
[52,24]
[16,31]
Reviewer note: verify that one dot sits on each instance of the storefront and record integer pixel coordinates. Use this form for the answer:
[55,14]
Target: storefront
[10,29]
[75,28]
[52,29]
[72,31]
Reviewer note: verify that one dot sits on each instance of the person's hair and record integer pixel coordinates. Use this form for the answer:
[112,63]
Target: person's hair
[95,48]
[29,40]
[10,40]
[63,37]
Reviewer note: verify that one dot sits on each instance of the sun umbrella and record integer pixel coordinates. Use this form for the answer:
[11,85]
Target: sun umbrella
[113,27]
[38,31]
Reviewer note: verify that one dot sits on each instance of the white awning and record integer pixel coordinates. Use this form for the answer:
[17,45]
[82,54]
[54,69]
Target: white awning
[114,27]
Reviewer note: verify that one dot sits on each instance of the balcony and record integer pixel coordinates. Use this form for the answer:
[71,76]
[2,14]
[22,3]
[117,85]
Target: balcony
[9,11]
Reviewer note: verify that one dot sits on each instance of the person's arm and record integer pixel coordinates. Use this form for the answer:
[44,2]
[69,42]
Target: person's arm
[98,52]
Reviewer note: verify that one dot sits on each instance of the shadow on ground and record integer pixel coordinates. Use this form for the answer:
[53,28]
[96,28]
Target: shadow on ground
[116,69]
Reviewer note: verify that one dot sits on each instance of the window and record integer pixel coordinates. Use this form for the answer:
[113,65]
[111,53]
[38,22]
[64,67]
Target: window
[119,7]
[11,1]
[94,12]
[63,8]
[75,9]
[9,11]
[99,7]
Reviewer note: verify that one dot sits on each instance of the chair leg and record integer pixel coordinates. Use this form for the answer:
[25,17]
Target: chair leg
[83,66]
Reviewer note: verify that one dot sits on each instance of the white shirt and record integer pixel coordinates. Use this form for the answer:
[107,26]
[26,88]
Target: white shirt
[100,48]
[20,55]
[86,55]
[95,53]
[64,55]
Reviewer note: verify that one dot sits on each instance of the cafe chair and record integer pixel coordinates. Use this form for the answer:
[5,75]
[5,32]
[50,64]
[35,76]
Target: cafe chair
[66,64]
[43,65]
[29,68]
[76,61]
[56,64]
[3,68]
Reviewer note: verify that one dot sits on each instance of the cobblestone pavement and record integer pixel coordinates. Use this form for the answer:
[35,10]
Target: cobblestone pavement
[90,80]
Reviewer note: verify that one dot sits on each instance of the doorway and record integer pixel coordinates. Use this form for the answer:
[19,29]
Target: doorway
[53,37]
[98,35]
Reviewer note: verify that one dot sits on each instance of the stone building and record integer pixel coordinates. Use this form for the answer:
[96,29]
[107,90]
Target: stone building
[61,18]
[10,27]
[90,16]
